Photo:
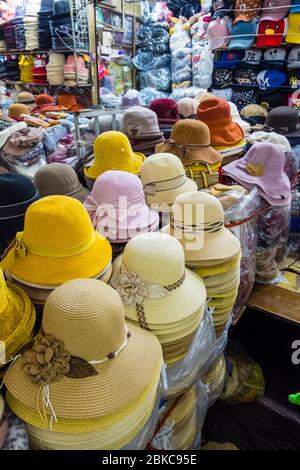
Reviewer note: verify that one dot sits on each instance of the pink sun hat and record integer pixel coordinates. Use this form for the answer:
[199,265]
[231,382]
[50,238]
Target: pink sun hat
[117,207]
[262,167]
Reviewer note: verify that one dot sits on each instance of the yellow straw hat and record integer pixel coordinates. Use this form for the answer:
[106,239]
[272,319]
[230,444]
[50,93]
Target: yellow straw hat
[112,151]
[58,244]
[17,319]
[197,221]
[98,380]
[219,268]
[220,279]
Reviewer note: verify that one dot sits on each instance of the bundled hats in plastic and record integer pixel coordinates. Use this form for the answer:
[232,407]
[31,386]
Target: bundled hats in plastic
[117,207]
[164,178]
[262,167]
[101,390]
[218,33]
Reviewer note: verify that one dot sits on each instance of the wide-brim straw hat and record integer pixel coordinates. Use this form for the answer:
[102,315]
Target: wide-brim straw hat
[219,279]
[124,364]
[17,318]
[207,269]
[200,230]
[58,244]
[164,178]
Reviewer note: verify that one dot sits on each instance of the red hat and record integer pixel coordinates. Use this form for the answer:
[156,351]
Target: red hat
[271,33]
[43,99]
[166,110]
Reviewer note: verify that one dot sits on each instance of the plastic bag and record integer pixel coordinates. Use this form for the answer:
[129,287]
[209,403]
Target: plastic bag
[181,51]
[149,94]
[152,11]
[160,79]
[215,379]
[153,37]
[145,61]
[181,421]
[190,92]
[202,60]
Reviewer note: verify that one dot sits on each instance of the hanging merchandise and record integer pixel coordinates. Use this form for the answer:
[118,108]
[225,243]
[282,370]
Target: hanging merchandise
[181,52]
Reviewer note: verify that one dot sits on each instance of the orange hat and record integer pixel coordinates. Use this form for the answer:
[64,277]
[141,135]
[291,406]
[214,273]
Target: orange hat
[43,99]
[69,102]
[215,112]
[15,110]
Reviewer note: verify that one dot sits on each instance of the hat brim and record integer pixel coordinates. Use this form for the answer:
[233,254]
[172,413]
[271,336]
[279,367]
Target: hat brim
[81,194]
[19,314]
[162,199]
[205,155]
[211,246]
[167,120]
[132,166]
[99,398]
[225,135]
[47,271]
[241,43]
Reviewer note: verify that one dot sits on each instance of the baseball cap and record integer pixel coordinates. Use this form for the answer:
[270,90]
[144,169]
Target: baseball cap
[271,78]
[230,59]
[274,14]
[275,55]
[242,97]
[270,98]
[239,35]
[252,56]
[293,28]
[294,58]
[223,77]
[295,9]
[246,10]
[245,77]
[271,33]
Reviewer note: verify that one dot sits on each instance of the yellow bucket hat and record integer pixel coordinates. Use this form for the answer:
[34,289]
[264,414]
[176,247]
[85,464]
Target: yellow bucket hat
[17,318]
[58,244]
[112,151]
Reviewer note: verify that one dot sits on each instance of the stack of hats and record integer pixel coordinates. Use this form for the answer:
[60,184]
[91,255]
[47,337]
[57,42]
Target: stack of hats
[158,293]
[141,127]
[2,40]
[3,423]
[17,319]
[117,208]
[164,178]
[58,244]
[9,68]
[59,179]
[19,29]
[16,194]
[31,27]
[190,141]
[9,35]
[44,15]
[69,102]
[284,120]
[197,221]
[44,104]
[39,70]
[215,378]
[226,136]
[75,71]
[102,389]
[112,151]
[166,110]
[26,63]
[60,25]
[55,68]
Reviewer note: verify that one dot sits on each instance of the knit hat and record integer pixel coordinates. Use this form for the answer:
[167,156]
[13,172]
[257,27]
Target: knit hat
[164,178]
[58,244]
[271,10]
[166,110]
[271,33]
[215,112]
[117,207]
[190,141]
[140,123]
[112,151]
[58,178]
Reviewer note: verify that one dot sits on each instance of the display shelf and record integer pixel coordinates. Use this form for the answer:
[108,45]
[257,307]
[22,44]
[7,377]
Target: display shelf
[12,82]
[38,51]
[282,87]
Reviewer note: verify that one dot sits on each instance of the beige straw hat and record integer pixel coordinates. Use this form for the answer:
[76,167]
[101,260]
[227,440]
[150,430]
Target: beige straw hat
[164,178]
[197,221]
[100,369]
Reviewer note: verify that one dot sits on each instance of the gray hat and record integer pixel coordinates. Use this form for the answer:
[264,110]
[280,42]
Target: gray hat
[140,123]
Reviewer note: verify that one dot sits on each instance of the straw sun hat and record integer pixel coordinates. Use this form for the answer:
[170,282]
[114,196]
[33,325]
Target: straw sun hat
[197,221]
[101,383]
[58,244]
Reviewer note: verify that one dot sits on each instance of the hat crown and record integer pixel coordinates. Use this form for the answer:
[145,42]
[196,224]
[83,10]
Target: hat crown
[214,110]
[57,222]
[16,109]
[113,146]
[24,96]
[190,131]
[282,116]
[43,98]
[157,257]
[140,121]
[113,184]
[164,108]
[197,208]
[267,155]
[187,106]
[161,167]
[88,316]
[56,178]
[15,189]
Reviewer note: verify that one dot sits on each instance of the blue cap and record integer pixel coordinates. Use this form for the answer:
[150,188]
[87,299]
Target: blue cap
[295,9]
[271,78]
[230,59]
[240,40]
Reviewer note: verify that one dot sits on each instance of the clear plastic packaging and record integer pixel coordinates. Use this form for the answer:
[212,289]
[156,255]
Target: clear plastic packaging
[17,438]
[190,92]
[144,61]
[160,79]
[153,37]
[149,94]
[215,379]
[181,421]
[202,59]
[181,51]
[152,11]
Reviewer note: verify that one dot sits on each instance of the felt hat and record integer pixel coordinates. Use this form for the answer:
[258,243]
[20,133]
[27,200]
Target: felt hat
[15,110]
[45,103]
[60,179]
[112,151]
[197,221]
[25,98]
[117,207]
[3,423]
[164,178]
[166,110]
[187,108]
[105,383]
[140,123]
[190,141]
[165,297]
[215,112]
[69,102]
[6,133]
[254,114]
[262,167]
[17,319]
[58,244]
[283,120]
